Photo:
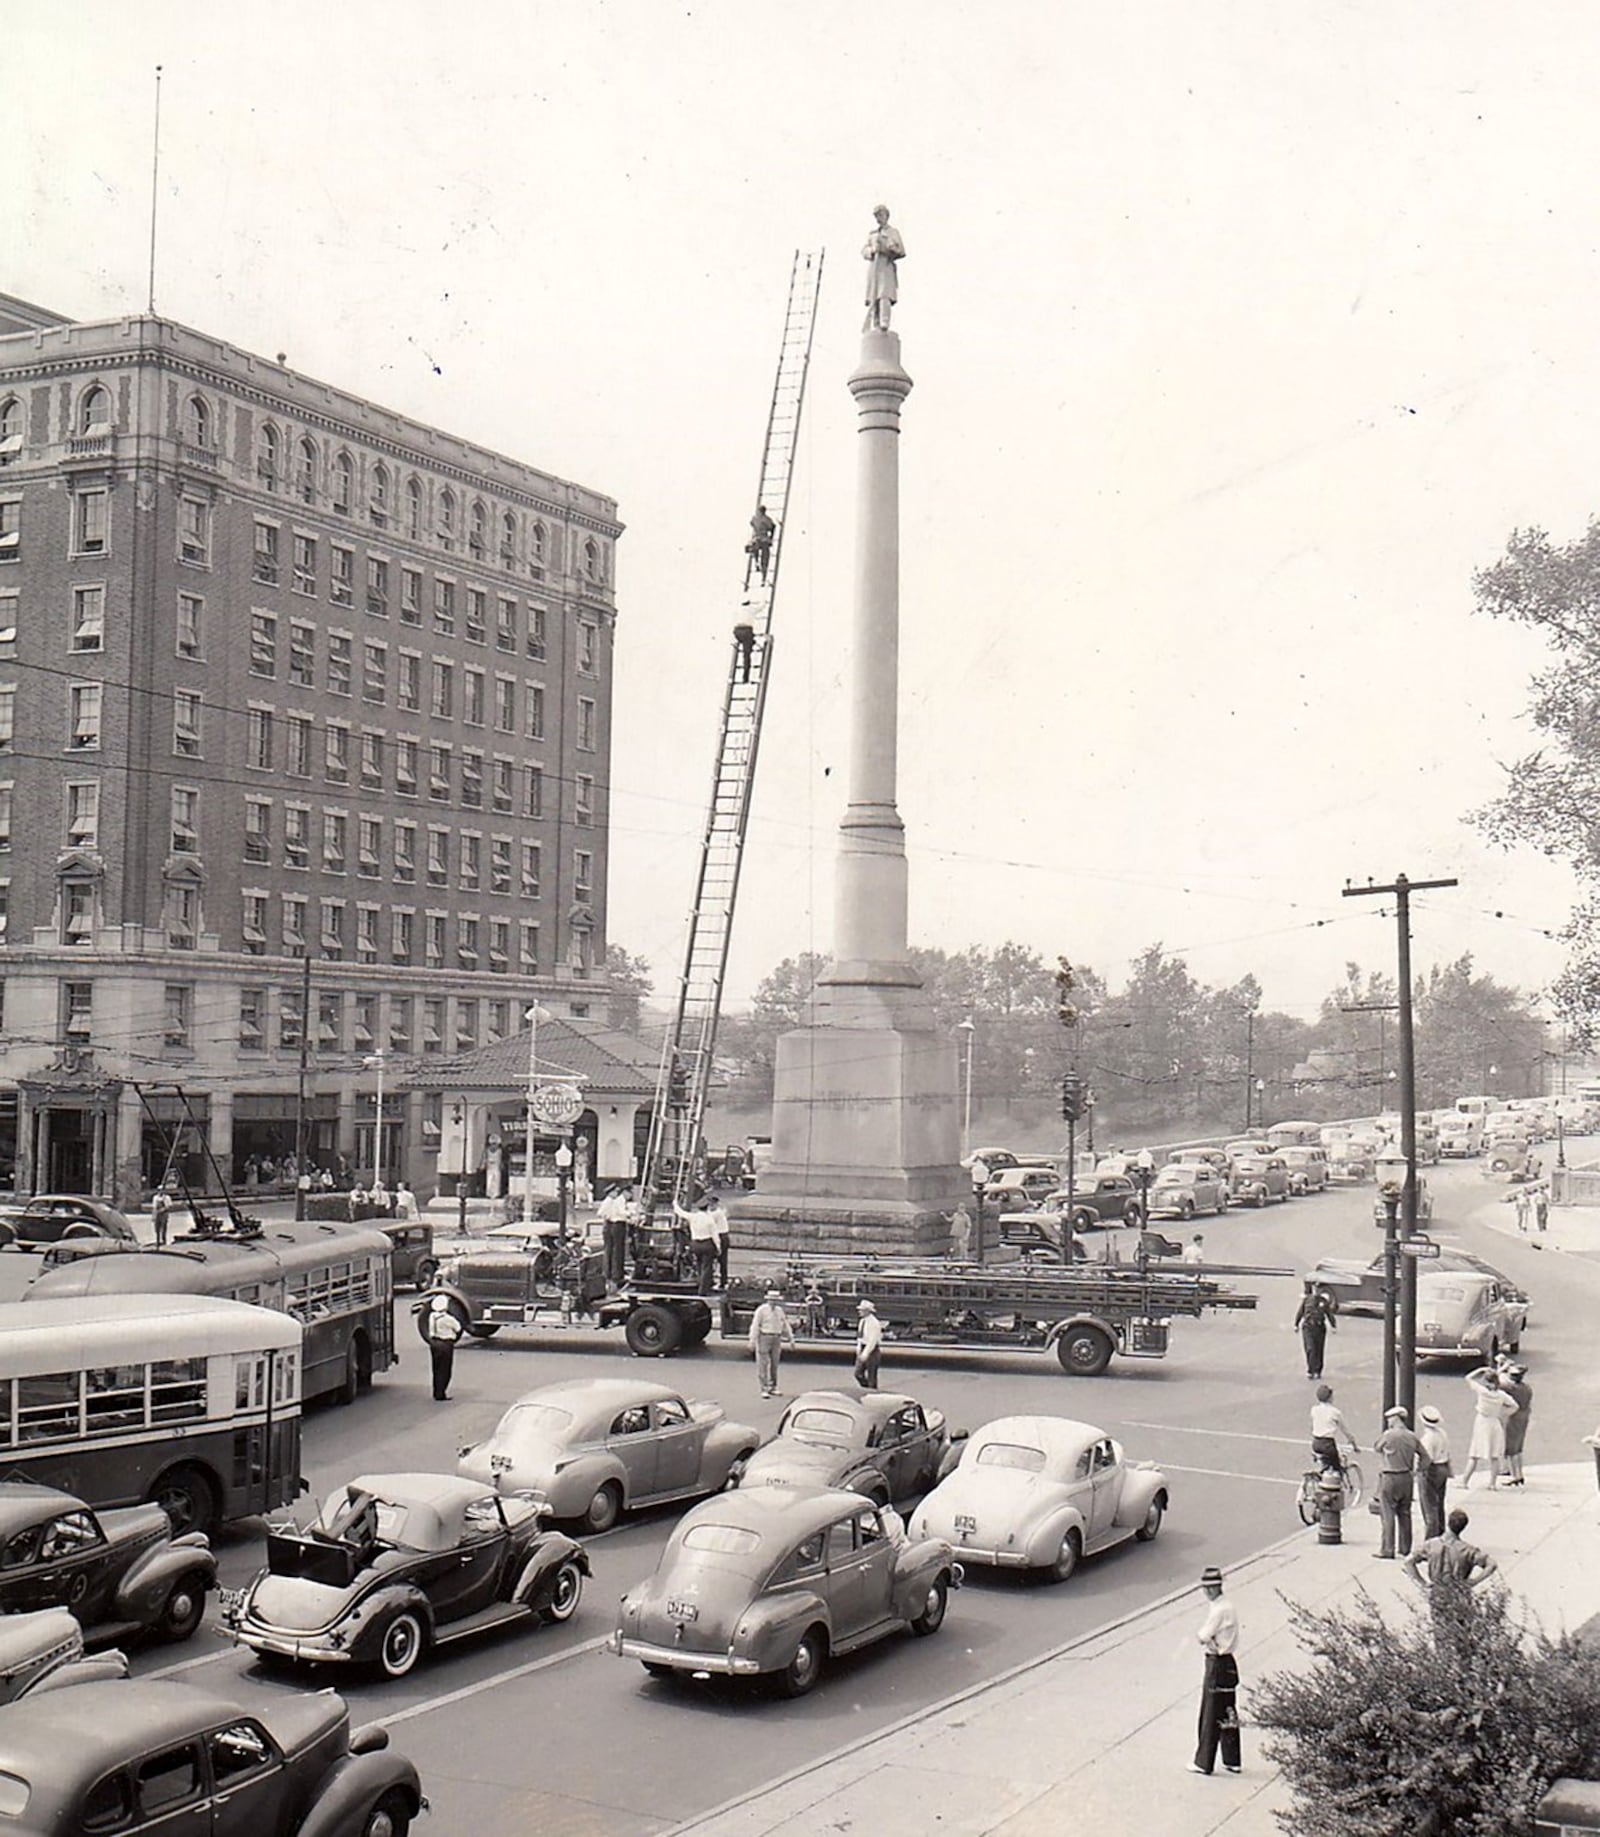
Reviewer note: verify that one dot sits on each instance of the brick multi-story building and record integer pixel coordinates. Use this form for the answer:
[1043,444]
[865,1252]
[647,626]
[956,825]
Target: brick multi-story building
[285,679]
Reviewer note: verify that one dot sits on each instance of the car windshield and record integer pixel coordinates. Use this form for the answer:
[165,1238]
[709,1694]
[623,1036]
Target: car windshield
[540,1419]
[721,1539]
[820,1425]
[1011,1454]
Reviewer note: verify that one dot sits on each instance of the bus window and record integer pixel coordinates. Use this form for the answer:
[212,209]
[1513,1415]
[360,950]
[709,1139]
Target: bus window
[250,1384]
[113,1398]
[47,1406]
[177,1390]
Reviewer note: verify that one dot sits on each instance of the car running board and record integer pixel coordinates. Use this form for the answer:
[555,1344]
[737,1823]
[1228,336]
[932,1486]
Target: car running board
[502,1614]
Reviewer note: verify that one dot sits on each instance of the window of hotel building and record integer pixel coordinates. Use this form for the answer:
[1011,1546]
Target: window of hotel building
[477,627]
[91,522]
[432,1023]
[588,647]
[7,792]
[469,930]
[264,565]
[402,934]
[438,857]
[297,731]
[471,779]
[8,716]
[444,606]
[263,644]
[341,576]
[197,421]
[501,795]
[439,774]
[414,510]
[341,649]
[500,864]
[505,625]
[508,539]
[306,472]
[10,608]
[478,531]
[400,1022]
[191,622]
[257,829]
[186,717]
[178,1006]
[583,800]
[333,933]
[88,618]
[530,944]
[305,564]
[472,697]
[586,725]
[371,760]
[405,767]
[470,861]
[377,586]
[253,1020]
[446,528]
[94,411]
[466,1034]
[291,1016]
[83,814]
[374,672]
[185,820]
[505,704]
[180,914]
[533,726]
[10,430]
[294,927]
[296,836]
[593,559]
[366,952]
[336,753]
[85,731]
[77,913]
[77,1010]
[533,791]
[267,457]
[405,851]
[378,496]
[537,541]
[302,654]
[255,924]
[410,597]
[433,940]
[258,739]
[582,875]
[442,699]
[369,847]
[408,682]
[10,529]
[496,1021]
[194,532]
[532,869]
[335,840]
[499,947]
[536,631]
[343,490]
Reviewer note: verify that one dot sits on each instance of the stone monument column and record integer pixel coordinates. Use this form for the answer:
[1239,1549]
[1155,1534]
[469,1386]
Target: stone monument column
[865,1129]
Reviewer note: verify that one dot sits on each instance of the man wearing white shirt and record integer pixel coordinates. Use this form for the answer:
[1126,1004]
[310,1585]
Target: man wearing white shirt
[1218,1638]
[613,1213]
[869,1346]
[702,1244]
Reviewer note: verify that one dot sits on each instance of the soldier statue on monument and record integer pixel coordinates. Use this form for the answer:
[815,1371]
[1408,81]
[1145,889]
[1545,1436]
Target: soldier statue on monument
[882,250]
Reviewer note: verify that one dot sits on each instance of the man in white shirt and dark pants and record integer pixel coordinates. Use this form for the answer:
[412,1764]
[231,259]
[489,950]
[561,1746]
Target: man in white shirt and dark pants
[1218,1636]
[869,1346]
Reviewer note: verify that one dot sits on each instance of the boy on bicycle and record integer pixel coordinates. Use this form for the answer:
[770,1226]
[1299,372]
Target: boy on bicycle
[1327,1426]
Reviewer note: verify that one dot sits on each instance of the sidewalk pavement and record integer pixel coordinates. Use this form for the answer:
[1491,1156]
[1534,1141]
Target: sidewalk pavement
[1098,1734]
[1573,1229]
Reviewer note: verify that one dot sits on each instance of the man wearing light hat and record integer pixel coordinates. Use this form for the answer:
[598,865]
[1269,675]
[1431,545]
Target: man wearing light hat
[869,1346]
[1399,1455]
[1434,1473]
[1218,1637]
[770,1332]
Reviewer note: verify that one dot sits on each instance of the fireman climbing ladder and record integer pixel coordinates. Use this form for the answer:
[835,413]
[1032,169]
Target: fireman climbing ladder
[673,1156]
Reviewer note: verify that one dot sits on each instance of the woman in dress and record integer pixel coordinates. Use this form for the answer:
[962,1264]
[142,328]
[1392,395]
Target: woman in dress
[1491,1407]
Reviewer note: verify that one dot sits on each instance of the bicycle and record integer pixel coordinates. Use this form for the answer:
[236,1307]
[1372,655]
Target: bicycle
[1310,1490]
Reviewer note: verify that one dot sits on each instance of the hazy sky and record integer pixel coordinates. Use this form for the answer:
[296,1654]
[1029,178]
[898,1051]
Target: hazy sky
[1242,333]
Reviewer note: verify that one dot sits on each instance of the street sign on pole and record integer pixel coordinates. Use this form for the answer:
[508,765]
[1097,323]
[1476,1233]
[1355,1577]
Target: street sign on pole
[1418,1247]
[556,1105]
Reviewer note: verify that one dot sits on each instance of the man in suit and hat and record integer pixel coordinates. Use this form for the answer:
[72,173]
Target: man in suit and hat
[1218,1637]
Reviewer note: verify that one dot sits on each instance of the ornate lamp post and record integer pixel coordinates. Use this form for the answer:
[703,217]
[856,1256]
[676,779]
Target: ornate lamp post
[563,1179]
[533,1016]
[969,1028]
[374,1062]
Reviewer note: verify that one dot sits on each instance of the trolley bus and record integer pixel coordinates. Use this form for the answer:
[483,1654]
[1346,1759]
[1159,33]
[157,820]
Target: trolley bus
[179,1399]
[333,1278]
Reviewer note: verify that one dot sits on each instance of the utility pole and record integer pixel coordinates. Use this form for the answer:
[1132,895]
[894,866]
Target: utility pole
[1249,1062]
[1405,1339]
[300,1186]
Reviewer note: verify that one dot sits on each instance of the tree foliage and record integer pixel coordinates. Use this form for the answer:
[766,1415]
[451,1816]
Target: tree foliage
[1451,1722]
[630,982]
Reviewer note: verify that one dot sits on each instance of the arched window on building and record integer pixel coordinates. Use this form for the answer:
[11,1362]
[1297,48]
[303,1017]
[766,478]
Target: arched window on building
[378,497]
[447,519]
[344,483]
[537,543]
[197,421]
[94,411]
[508,539]
[478,538]
[306,472]
[593,560]
[10,429]
[414,509]
[268,449]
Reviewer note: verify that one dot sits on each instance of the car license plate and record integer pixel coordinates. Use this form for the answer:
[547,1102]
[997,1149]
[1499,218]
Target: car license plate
[499,1463]
[682,1611]
[965,1526]
[231,1602]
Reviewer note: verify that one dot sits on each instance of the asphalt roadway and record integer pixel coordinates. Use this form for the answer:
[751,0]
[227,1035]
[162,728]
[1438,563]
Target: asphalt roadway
[543,1729]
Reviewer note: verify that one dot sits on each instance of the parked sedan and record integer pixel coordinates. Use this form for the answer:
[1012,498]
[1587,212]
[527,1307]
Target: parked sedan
[121,1573]
[1357,1287]
[48,1218]
[1259,1178]
[1041,1493]
[159,1755]
[1183,1188]
[876,1443]
[400,1562]
[772,1582]
[1099,1199]
[44,1651]
[1308,1169]
[596,1447]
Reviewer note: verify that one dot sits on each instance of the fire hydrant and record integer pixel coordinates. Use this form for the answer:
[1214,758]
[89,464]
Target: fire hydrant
[1330,1506]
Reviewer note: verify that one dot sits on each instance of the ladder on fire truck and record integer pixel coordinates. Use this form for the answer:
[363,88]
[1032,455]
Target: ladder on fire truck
[673,1156]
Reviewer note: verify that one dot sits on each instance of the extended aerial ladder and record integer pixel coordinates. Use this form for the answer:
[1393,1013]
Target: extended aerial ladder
[673,1158]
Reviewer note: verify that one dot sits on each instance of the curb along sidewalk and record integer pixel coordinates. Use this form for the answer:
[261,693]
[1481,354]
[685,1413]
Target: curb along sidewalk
[1099,1734]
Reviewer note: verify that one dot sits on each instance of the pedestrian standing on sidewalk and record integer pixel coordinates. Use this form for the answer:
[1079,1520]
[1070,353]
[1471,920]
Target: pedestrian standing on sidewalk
[1399,1455]
[1218,1637]
[1491,1406]
[1434,1473]
[770,1332]
[869,1346]
[1514,1383]
[1541,1208]
[1447,1562]
[160,1206]
[1522,1203]
[1314,1317]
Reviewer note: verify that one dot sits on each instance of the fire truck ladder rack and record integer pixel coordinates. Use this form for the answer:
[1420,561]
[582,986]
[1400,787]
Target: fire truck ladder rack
[673,1154]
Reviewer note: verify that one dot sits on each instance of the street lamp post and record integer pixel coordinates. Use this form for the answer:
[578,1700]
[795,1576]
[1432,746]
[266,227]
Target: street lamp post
[969,1028]
[374,1062]
[532,1016]
[1261,1108]
[1144,1171]
[563,1176]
